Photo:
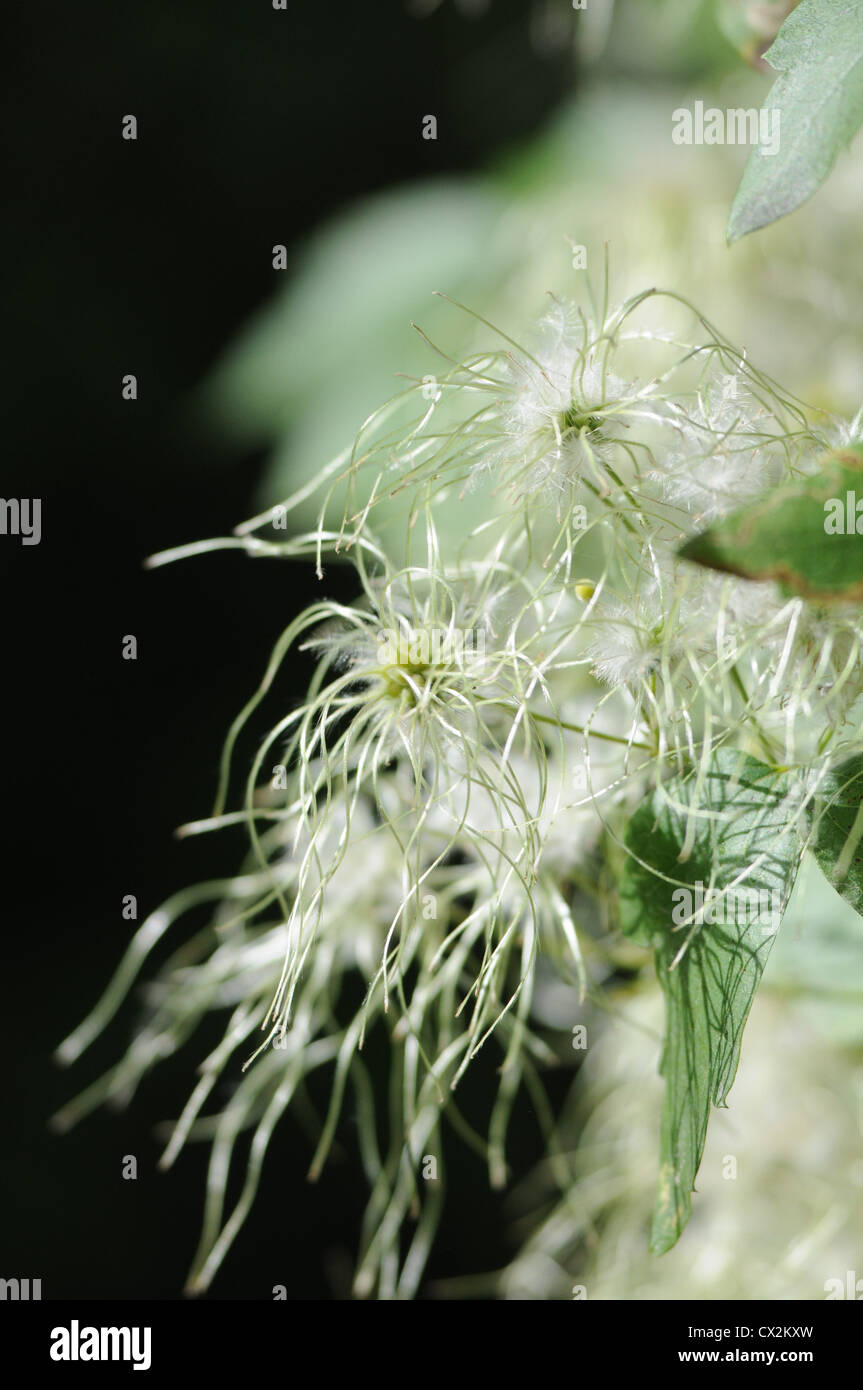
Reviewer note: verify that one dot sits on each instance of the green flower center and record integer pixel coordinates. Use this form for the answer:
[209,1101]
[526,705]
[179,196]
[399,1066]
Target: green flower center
[577,418]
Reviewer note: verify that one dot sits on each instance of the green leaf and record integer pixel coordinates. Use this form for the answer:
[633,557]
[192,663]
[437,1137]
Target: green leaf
[803,534]
[818,53]
[730,828]
[838,840]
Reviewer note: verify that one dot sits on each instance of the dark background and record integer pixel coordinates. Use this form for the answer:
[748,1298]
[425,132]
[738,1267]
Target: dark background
[145,257]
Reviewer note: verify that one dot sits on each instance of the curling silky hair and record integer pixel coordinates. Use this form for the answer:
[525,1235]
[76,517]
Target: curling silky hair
[443,818]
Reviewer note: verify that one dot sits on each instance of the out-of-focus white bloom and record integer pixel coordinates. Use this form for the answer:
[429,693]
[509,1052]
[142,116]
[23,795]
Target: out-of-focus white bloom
[722,456]
[630,638]
[627,639]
